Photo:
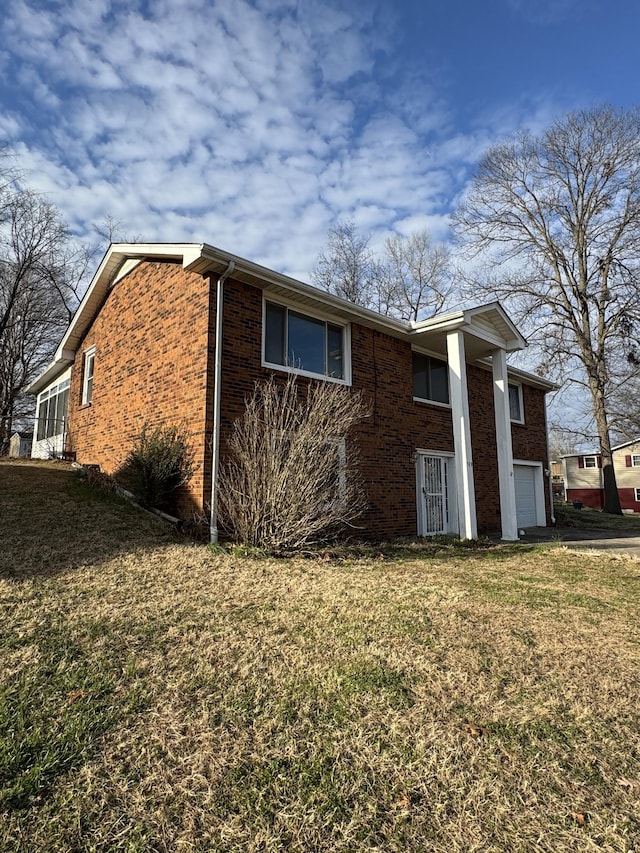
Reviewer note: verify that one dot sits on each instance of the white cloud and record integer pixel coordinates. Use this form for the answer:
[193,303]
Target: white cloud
[253,126]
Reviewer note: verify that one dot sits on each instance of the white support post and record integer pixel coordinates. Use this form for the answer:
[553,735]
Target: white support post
[504,447]
[462,436]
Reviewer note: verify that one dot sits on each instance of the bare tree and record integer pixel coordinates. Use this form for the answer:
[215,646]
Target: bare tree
[624,407]
[110,230]
[411,281]
[38,293]
[559,215]
[420,275]
[348,267]
[291,477]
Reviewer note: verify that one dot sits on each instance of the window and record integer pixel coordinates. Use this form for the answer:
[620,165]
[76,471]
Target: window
[87,381]
[329,475]
[52,411]
[637,495]
[299,342]
[590,462]
[516,407]
[430,378]
[635,461]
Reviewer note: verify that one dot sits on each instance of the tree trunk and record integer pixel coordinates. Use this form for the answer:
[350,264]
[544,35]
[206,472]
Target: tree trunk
[611,495]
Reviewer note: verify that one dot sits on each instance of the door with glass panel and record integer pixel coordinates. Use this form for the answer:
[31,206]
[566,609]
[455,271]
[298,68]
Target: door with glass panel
[433,480]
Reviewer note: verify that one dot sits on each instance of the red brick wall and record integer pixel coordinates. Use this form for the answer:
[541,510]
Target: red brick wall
[398,426]
[151,340]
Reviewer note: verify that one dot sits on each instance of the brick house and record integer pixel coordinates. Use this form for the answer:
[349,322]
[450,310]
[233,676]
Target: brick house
[456,441]
[584,479]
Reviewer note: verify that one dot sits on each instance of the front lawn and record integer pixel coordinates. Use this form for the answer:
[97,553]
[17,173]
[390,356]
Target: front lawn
[156,695]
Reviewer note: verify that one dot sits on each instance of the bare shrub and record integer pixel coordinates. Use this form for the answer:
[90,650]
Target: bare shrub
[291,478]
[159,463]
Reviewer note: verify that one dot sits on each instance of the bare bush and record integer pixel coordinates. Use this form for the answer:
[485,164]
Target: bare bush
[291,477]
[159,463]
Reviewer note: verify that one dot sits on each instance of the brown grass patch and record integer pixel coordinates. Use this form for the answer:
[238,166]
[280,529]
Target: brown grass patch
[463,700]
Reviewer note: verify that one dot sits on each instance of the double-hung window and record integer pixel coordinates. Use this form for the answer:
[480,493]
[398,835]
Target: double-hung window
[430,378]
[87,376]
[637,495]
[299,342]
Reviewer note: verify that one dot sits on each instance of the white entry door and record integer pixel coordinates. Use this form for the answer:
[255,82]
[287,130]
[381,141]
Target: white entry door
[433,485]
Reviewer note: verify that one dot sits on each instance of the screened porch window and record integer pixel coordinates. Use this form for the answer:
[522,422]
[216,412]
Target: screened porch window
[52,411]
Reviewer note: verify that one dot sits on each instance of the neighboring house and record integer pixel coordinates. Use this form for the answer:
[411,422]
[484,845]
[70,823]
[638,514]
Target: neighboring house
[584,479]
[180,333]
[20,444]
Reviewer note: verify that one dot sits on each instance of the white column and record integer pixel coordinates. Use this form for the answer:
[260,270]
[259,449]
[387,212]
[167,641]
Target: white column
[505,450]
[462,436]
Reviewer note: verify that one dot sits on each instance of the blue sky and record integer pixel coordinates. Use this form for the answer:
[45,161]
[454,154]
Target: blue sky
[255,126]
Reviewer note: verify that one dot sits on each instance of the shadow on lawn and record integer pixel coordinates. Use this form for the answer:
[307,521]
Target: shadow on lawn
[51,521]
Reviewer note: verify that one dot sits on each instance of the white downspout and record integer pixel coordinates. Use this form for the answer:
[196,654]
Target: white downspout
[552,516]
[215,438]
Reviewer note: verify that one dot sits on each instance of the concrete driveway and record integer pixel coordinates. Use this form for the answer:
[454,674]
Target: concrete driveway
[598,540]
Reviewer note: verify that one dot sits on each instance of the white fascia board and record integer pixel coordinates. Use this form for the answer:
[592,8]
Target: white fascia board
[115,259]
[531,379]
[505,334]
[522,376]
[48,376]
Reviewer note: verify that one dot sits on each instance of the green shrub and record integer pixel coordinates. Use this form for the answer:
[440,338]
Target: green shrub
[158,465]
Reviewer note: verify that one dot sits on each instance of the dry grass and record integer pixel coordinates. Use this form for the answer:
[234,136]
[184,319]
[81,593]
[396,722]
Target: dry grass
[158,696]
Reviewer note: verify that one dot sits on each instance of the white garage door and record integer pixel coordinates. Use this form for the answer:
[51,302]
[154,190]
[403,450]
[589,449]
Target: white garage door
[524,480]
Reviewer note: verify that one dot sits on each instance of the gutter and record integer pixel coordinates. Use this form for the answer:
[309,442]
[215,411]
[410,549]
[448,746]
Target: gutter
[217,393]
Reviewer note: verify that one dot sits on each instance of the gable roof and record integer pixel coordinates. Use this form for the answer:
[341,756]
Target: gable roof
[486,327]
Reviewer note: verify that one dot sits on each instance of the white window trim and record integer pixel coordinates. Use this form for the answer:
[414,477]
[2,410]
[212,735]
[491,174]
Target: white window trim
[635,456]
[518,385]
[636,495]
[440,357]
[432,402]
[595,462]
[90,353]
[325,318]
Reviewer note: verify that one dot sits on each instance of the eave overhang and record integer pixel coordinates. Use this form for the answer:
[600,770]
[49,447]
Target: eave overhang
[486,328]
